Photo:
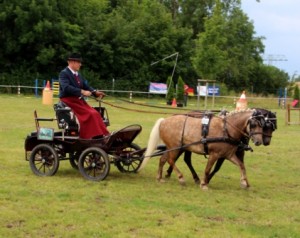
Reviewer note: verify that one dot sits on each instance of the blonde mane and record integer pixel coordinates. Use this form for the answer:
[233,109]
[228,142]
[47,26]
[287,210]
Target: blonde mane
[236,112]
[239,111]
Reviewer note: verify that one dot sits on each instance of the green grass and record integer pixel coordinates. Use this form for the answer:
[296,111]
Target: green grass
[135,205]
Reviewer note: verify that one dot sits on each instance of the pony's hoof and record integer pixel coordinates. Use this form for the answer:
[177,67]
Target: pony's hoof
[204,186]
[167,176]
[244,184]
[161,180]
[197,181]
[182,182]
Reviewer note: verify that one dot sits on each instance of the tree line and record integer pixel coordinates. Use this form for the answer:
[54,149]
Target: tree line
[120,39]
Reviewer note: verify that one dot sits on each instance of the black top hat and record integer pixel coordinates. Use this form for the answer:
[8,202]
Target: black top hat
[75,57]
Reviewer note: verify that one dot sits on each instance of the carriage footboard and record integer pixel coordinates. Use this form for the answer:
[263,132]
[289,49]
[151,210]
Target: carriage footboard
[123,137]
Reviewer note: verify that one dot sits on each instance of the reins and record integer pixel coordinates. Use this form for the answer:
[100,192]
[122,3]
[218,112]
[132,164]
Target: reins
[225,129]
[206,140]
[225,139]
[136,110]
[247,135]
[147,111]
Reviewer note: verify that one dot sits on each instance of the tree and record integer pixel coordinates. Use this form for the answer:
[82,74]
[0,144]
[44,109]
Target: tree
[266,79]
[228,51]
[210,54]
[118,39]
[244,50]
[36,36]
[193,13]
[134,35]
[296,95]
[295,78]
[170,90]
[121,38]
[180,92]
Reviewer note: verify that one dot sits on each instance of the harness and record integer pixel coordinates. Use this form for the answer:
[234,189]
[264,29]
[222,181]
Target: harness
[205,121]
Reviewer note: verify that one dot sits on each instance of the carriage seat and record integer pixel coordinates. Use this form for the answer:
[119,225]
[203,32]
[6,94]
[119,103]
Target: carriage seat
[67,120]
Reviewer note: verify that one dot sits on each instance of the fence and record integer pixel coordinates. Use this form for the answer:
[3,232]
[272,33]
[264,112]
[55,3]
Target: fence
[219,102]
[292,116]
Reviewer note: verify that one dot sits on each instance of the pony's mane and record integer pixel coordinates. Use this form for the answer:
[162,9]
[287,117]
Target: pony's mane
[239,111]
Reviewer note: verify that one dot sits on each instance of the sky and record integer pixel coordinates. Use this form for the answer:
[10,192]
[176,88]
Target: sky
[279,22]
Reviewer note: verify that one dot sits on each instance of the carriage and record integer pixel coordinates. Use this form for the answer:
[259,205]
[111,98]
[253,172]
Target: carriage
[45,147]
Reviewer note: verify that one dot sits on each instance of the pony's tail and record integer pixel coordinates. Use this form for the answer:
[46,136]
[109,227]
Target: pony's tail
[154,140]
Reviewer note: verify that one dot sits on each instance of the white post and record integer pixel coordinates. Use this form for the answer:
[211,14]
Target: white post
[113,85]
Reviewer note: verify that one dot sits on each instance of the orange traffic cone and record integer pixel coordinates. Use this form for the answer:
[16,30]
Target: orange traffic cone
[47,95]
[174,103]
[48,85]
[241,104]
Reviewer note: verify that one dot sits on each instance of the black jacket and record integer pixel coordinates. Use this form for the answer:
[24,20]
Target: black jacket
[68,85]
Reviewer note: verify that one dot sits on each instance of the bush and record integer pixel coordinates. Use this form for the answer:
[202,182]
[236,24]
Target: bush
[170,90]
[296,92]
[180,91]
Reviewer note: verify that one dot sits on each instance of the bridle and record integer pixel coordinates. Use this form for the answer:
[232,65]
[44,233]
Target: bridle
[257,119]
[270,124]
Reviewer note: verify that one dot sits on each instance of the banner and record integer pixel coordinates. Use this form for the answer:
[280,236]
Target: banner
[190,92]
[213,90]
[159,88]
[203,91]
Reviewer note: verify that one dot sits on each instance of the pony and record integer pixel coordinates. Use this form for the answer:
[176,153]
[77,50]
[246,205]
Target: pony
[184,133]
[269,127]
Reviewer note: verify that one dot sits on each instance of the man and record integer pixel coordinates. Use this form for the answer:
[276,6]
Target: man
[72,87]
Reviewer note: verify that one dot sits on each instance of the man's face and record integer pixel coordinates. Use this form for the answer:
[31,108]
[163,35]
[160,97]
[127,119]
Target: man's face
[74,65]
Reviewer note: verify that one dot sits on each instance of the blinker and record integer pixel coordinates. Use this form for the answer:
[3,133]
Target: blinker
[259,119]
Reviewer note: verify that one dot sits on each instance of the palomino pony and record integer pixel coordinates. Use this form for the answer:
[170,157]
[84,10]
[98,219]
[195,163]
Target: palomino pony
[269,127]
[181,132]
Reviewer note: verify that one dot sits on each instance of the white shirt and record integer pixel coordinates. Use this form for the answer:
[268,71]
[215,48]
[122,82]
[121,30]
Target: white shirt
[74,72]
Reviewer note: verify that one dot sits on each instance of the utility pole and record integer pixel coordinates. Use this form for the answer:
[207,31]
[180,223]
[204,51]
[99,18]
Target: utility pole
[175,64]
[274,58]
[294,76]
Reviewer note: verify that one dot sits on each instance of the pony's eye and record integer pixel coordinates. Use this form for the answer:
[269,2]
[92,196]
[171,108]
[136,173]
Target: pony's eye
[252,124]
[262,122]
[270,125]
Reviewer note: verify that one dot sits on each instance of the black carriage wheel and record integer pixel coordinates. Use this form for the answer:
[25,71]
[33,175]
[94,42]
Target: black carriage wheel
[94,164]
[44,160]
[74,157]
[129,164]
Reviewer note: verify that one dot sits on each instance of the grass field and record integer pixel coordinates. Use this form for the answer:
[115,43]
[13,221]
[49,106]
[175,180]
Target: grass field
[135,205]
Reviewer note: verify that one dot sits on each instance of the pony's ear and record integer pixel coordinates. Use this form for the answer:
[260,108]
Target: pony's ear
[256,113]
[274,114]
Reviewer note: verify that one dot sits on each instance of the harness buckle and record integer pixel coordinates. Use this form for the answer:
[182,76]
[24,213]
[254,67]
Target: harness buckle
[205,120]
